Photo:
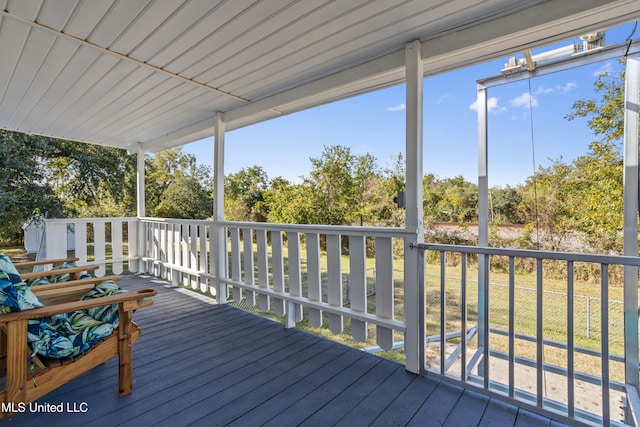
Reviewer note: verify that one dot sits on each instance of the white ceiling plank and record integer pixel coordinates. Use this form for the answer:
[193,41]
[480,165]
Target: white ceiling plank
[56,14]
[171,29]
[74,118]
[146,24]
[284,43]
[53,64]
[13,37]
[137,101]
[198,38]
[48,104]
[113,100]
[116,21]
[85,17]
[76,90]
[27,9]
[352,43]
[34,51]
[253,20]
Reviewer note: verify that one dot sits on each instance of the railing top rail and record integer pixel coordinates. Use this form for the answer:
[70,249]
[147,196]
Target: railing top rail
[305,228]
[528,253]
[87,220]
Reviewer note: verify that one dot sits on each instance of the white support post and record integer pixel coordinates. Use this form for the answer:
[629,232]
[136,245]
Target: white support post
[219,238]
[141,209]
[483,222]
[413,301]
[630,235]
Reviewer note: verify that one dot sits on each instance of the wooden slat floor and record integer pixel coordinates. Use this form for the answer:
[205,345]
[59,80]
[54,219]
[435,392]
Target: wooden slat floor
[202,364]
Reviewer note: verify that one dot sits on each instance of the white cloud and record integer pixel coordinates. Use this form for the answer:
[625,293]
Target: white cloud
[492,106]
[400,107]
[525,100]
[543,90]
[606,68]
[444,98]
[567,87]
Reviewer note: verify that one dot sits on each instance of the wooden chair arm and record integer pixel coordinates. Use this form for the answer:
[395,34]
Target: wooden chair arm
[71,290]
[70,271]
[54,262]
[132,300]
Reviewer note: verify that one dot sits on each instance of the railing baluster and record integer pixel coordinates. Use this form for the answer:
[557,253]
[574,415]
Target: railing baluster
[263,269]
[539,335]
[384,289]
[249,275]
[171,253]
[358,285]
[80,229]
[314,278]
[184,249]
[203,264]
[193,254]
[294,311]
[463,316]
[98,247]
[163,249]
[235,263]
[512,322]
[132,241]
[604,339]
[277,265]
[484,315]
[570,343]
[334,281]
[116,246]
[443,312]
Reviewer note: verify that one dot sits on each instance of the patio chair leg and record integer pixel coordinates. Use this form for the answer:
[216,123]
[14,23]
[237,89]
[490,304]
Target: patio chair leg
[16,364]
[125,371]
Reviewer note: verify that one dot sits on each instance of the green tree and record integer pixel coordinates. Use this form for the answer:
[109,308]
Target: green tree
[504,204]
[606,113]
[177,187]
[244,194]
[23,189]
[338,182]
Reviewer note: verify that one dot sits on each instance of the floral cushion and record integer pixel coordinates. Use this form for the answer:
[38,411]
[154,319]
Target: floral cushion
[7,266]
[56,277]
[15,295]
[71,334]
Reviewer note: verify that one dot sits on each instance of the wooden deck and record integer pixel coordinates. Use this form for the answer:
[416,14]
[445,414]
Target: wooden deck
[203,364]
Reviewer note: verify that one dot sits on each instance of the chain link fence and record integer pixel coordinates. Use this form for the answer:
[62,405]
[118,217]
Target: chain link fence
[586,312]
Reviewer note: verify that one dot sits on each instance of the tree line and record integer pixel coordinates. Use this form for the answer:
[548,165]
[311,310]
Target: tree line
[57,178]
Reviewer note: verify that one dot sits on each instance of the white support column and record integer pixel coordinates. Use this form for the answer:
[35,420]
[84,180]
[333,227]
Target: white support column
[483,223]
[141,209]
[219,241]
[414,342]
[630,235]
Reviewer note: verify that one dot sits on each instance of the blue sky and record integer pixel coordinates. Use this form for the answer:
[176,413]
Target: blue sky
[374,123]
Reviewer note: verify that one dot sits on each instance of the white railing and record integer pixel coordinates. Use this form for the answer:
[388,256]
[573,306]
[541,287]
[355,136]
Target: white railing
[330,273]
[109,242]
[499,340]
[287,269]
[508,343]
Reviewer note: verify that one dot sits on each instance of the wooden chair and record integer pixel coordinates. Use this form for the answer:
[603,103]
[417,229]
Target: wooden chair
[77,287]
[74,272]
[24,385]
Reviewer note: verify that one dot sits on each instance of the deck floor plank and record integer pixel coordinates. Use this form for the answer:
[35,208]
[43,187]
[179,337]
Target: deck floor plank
[198,363]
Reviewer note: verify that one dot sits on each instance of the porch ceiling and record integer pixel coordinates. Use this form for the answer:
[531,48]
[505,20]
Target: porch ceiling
[156,71]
